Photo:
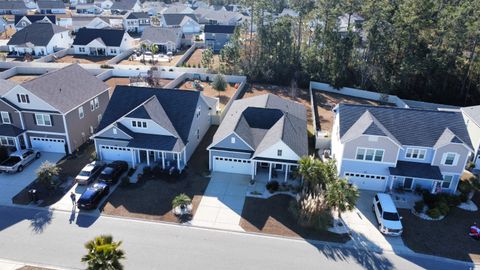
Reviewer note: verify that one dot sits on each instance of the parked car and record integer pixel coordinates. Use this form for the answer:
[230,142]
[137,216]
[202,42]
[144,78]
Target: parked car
[93,195]
[18,160]
[113,171]
[89,173]
[387,215]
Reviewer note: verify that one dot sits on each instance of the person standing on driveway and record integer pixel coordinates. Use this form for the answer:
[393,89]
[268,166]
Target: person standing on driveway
[74,198]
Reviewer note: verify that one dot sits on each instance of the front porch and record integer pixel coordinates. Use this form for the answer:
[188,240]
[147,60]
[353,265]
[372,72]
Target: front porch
[268,170]
[95,51]
[13,138]
[164,159]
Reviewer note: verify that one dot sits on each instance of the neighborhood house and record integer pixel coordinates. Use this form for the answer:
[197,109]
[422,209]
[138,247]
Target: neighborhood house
[101,42]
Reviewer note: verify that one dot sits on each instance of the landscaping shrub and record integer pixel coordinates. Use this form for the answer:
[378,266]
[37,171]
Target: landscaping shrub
[430,200]
[453,200]
[106,66]
[419,205]
[434,213]
[272,186]
[465,187]
[157,171]
[125,181]
[463,197]
[443,208]
[131,171]
[147,170]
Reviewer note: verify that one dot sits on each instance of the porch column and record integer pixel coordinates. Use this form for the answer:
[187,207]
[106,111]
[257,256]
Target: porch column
[148,157]
[391,183]
[184,157]
[138,156]
[269,171]
[27,143]
[253,169]
[163,160]
[210,161]
[99,156]
[17,143]
[178,161]
[286,172]
[133,157]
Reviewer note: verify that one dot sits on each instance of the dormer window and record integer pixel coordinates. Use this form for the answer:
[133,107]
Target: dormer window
[232,140]
[139,124]
[23,98]
[279,152]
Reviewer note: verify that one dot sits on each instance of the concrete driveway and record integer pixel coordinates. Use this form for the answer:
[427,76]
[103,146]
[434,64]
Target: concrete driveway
[222,204]
[364,226]
[12,184]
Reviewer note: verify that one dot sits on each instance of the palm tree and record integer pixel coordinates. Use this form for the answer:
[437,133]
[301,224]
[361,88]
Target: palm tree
[103,254]
[181,201]
[144,48]
[154,50]
[341,196]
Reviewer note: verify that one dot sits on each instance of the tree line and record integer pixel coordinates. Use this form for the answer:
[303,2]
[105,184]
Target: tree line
[417,49]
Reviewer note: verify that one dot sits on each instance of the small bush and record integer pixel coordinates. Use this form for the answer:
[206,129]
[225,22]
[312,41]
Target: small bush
[147,170]
[106,66]
[272,186]
[419,205]
[430,200]
[131,171]
[465,187]
[463,197]
[434,213]
[470,165]
[453,200]
[443,208]
[125,181]
[157,171]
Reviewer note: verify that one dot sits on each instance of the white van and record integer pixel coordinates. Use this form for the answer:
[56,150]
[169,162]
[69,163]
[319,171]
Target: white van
[387,216]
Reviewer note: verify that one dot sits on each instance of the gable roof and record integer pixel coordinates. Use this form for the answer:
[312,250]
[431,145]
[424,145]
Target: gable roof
[216,28]
[36,17]
[111,37]
[137,15]
[6,85]
[177,19]
[10,130]
[39,34]
[179,106]
[66,88]
[413,127]
[161,34]
[264,120]
[473,112]
[50,4]
[123,4]
[9,5]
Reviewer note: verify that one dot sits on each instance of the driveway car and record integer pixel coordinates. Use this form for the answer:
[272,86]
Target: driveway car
[113,171]
[89,173]
[93,195]
[19,160]
[387,215]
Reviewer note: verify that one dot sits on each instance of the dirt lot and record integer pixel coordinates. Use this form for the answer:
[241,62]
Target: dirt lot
[446,238]
[326,101]
[208,91]
[22,78]
[114,81]
[271,216]
[8,34]
[152,199]
[83,59]
[196,59]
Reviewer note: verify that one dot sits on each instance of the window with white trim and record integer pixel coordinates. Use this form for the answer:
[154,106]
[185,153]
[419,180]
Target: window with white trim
[139,124]
[96,102]
[43,119]
[81,114]
[369,154]
[279,152]
[81,49]
[92,105]
[450,159]
[7,141]
[447,181]
[113,51]
[197,134]
[23,98]
[5,118]
[99,118]
[416,153]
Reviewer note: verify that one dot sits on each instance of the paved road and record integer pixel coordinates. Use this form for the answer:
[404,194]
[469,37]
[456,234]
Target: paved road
[42,237]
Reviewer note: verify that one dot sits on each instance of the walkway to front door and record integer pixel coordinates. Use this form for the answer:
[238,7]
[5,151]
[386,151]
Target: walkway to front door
[222,204]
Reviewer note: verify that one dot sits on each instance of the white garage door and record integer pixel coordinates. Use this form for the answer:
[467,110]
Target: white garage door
[115,153]
[48,144]
[232,165]
[367,181]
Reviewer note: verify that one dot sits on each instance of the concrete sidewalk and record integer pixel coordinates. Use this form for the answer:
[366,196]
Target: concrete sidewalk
[11,265]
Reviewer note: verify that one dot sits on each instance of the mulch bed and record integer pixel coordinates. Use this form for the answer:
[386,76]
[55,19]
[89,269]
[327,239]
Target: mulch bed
[447,238]
[271,216]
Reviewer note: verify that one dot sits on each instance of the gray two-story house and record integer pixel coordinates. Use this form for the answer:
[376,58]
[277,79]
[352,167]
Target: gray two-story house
[216,36]
[56,112]
[153,126]
[384,148]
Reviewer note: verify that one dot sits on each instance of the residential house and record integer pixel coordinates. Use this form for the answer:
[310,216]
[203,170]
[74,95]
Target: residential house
[124,6]
[88,9]
[21,21]
[153,126]
[262,135]
[39,39]
[471,117]
[168,39]
[136,21]
[353,21]
[51,7]
[97,22]
[216,36]
[177,9]
[13,7]
[187,22]
[104,4]
[101,42]
[56,112]
[385,148]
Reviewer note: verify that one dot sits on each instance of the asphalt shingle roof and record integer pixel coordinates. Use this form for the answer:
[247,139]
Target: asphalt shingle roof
[216,28]
[66,88]
[37,17]
[161,34]
[6,85]
[111,37]
[10,130]
[407,126]
[416,170]
[9,5]
[39,34]
[473,113]
[176,19]
[49,4]
[138,15]
[123,4]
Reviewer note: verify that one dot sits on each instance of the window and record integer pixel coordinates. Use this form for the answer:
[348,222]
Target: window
[447,180]
[370,154]
[232,140]
[80,112]
[198,111]
[7,141]
[134,123]
[450,159]
[113,50]
[92,105]
[81,49]
[279,152]
[5,117]
[99,118]
[96,102]
[43,120]
[139,124]
[415,153]
[198,134]
[23,98]
[114,130]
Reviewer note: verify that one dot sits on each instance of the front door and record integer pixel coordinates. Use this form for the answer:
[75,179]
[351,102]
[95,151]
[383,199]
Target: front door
[408,183]
[22,142]
[143,156]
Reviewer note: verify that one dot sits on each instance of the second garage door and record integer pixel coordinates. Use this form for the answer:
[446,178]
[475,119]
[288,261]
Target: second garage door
[367,181]
[48,144]
[232,165]
[115,153]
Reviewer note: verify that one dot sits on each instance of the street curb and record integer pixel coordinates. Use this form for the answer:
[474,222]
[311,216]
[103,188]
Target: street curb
[22,264]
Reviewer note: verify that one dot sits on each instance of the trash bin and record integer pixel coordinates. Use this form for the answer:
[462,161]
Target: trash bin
[33,195]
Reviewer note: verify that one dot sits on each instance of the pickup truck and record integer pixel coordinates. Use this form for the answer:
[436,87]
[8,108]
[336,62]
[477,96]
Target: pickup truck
[18,160]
